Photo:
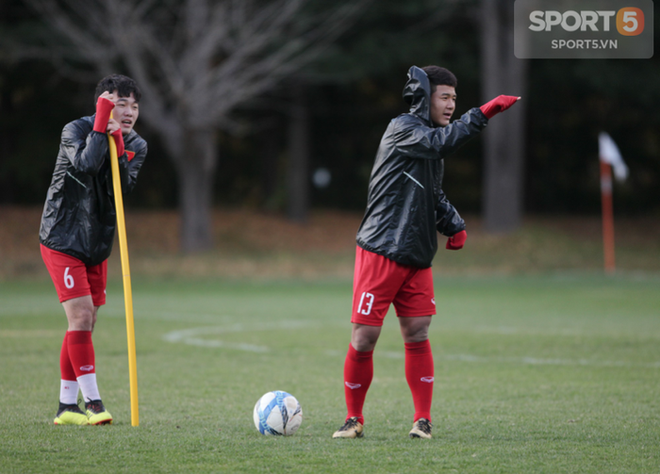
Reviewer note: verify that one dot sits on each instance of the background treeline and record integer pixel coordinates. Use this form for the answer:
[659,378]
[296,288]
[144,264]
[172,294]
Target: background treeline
[350,94]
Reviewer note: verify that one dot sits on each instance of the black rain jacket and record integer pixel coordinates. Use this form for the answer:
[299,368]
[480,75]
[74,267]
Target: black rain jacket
[406,203]
[79,216]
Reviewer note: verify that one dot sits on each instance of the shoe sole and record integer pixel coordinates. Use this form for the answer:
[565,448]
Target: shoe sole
[101,422]
[103,418]
[342,436]
[347,435]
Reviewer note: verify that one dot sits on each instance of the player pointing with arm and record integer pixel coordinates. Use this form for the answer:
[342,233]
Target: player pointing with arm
[77,232]
[396,241]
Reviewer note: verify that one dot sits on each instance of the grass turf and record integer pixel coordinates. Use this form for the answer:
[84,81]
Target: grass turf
[544,374]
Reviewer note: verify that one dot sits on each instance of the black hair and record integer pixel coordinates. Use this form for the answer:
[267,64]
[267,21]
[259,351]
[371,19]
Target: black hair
[439,76]
[116,82]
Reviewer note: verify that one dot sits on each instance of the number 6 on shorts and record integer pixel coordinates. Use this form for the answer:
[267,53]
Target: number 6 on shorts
[68,279]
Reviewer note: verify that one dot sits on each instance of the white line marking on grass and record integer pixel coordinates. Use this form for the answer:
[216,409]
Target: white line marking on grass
[511,360]
[157,315]
[538,361]
[27,333]
[204,337]
[199,336]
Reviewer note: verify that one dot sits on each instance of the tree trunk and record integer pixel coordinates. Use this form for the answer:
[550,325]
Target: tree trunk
[270,160]
[502,73]
[298,169]
[196,172]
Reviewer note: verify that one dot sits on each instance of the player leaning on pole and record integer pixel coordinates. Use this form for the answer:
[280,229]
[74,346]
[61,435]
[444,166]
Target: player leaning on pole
[77,232]
[396,241]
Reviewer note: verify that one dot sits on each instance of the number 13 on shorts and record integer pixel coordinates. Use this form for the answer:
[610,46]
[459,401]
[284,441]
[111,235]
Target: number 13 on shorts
[366,303]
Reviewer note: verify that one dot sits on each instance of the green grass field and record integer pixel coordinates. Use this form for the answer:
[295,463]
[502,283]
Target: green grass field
[542,374]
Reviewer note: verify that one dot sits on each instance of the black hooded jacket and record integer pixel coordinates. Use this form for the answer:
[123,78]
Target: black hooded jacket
[79,216]
[406,204]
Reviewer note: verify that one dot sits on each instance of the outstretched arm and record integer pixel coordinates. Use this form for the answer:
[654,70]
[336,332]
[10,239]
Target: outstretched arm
[415,140]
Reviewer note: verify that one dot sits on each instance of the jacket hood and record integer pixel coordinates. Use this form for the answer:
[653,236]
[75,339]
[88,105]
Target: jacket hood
[417,93]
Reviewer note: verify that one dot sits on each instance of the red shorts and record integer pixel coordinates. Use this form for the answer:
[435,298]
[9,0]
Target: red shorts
[73,279]
[379,282]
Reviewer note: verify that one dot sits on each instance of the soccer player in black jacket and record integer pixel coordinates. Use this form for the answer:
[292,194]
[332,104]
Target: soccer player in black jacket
[77,232]
[396,241]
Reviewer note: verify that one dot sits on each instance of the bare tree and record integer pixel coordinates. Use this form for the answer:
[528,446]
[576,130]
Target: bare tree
[298,144]
[196,61]
[502,73]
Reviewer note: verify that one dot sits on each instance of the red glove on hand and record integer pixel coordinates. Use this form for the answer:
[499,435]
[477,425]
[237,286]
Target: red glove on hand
[103,110]
[119,142]
[456,241]
[498,104]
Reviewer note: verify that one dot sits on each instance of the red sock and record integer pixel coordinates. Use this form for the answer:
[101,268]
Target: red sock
[419,374]
[358,372]
[81,352]
[66,369]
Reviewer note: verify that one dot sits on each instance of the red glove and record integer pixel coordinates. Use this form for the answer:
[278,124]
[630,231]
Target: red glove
[498,104]
[456,241]
[103,110]
[119,142]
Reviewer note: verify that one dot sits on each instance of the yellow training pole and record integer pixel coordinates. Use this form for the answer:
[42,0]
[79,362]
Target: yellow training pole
[128,295]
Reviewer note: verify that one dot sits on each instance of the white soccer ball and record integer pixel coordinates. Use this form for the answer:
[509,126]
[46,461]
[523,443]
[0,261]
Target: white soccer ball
[277,413]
